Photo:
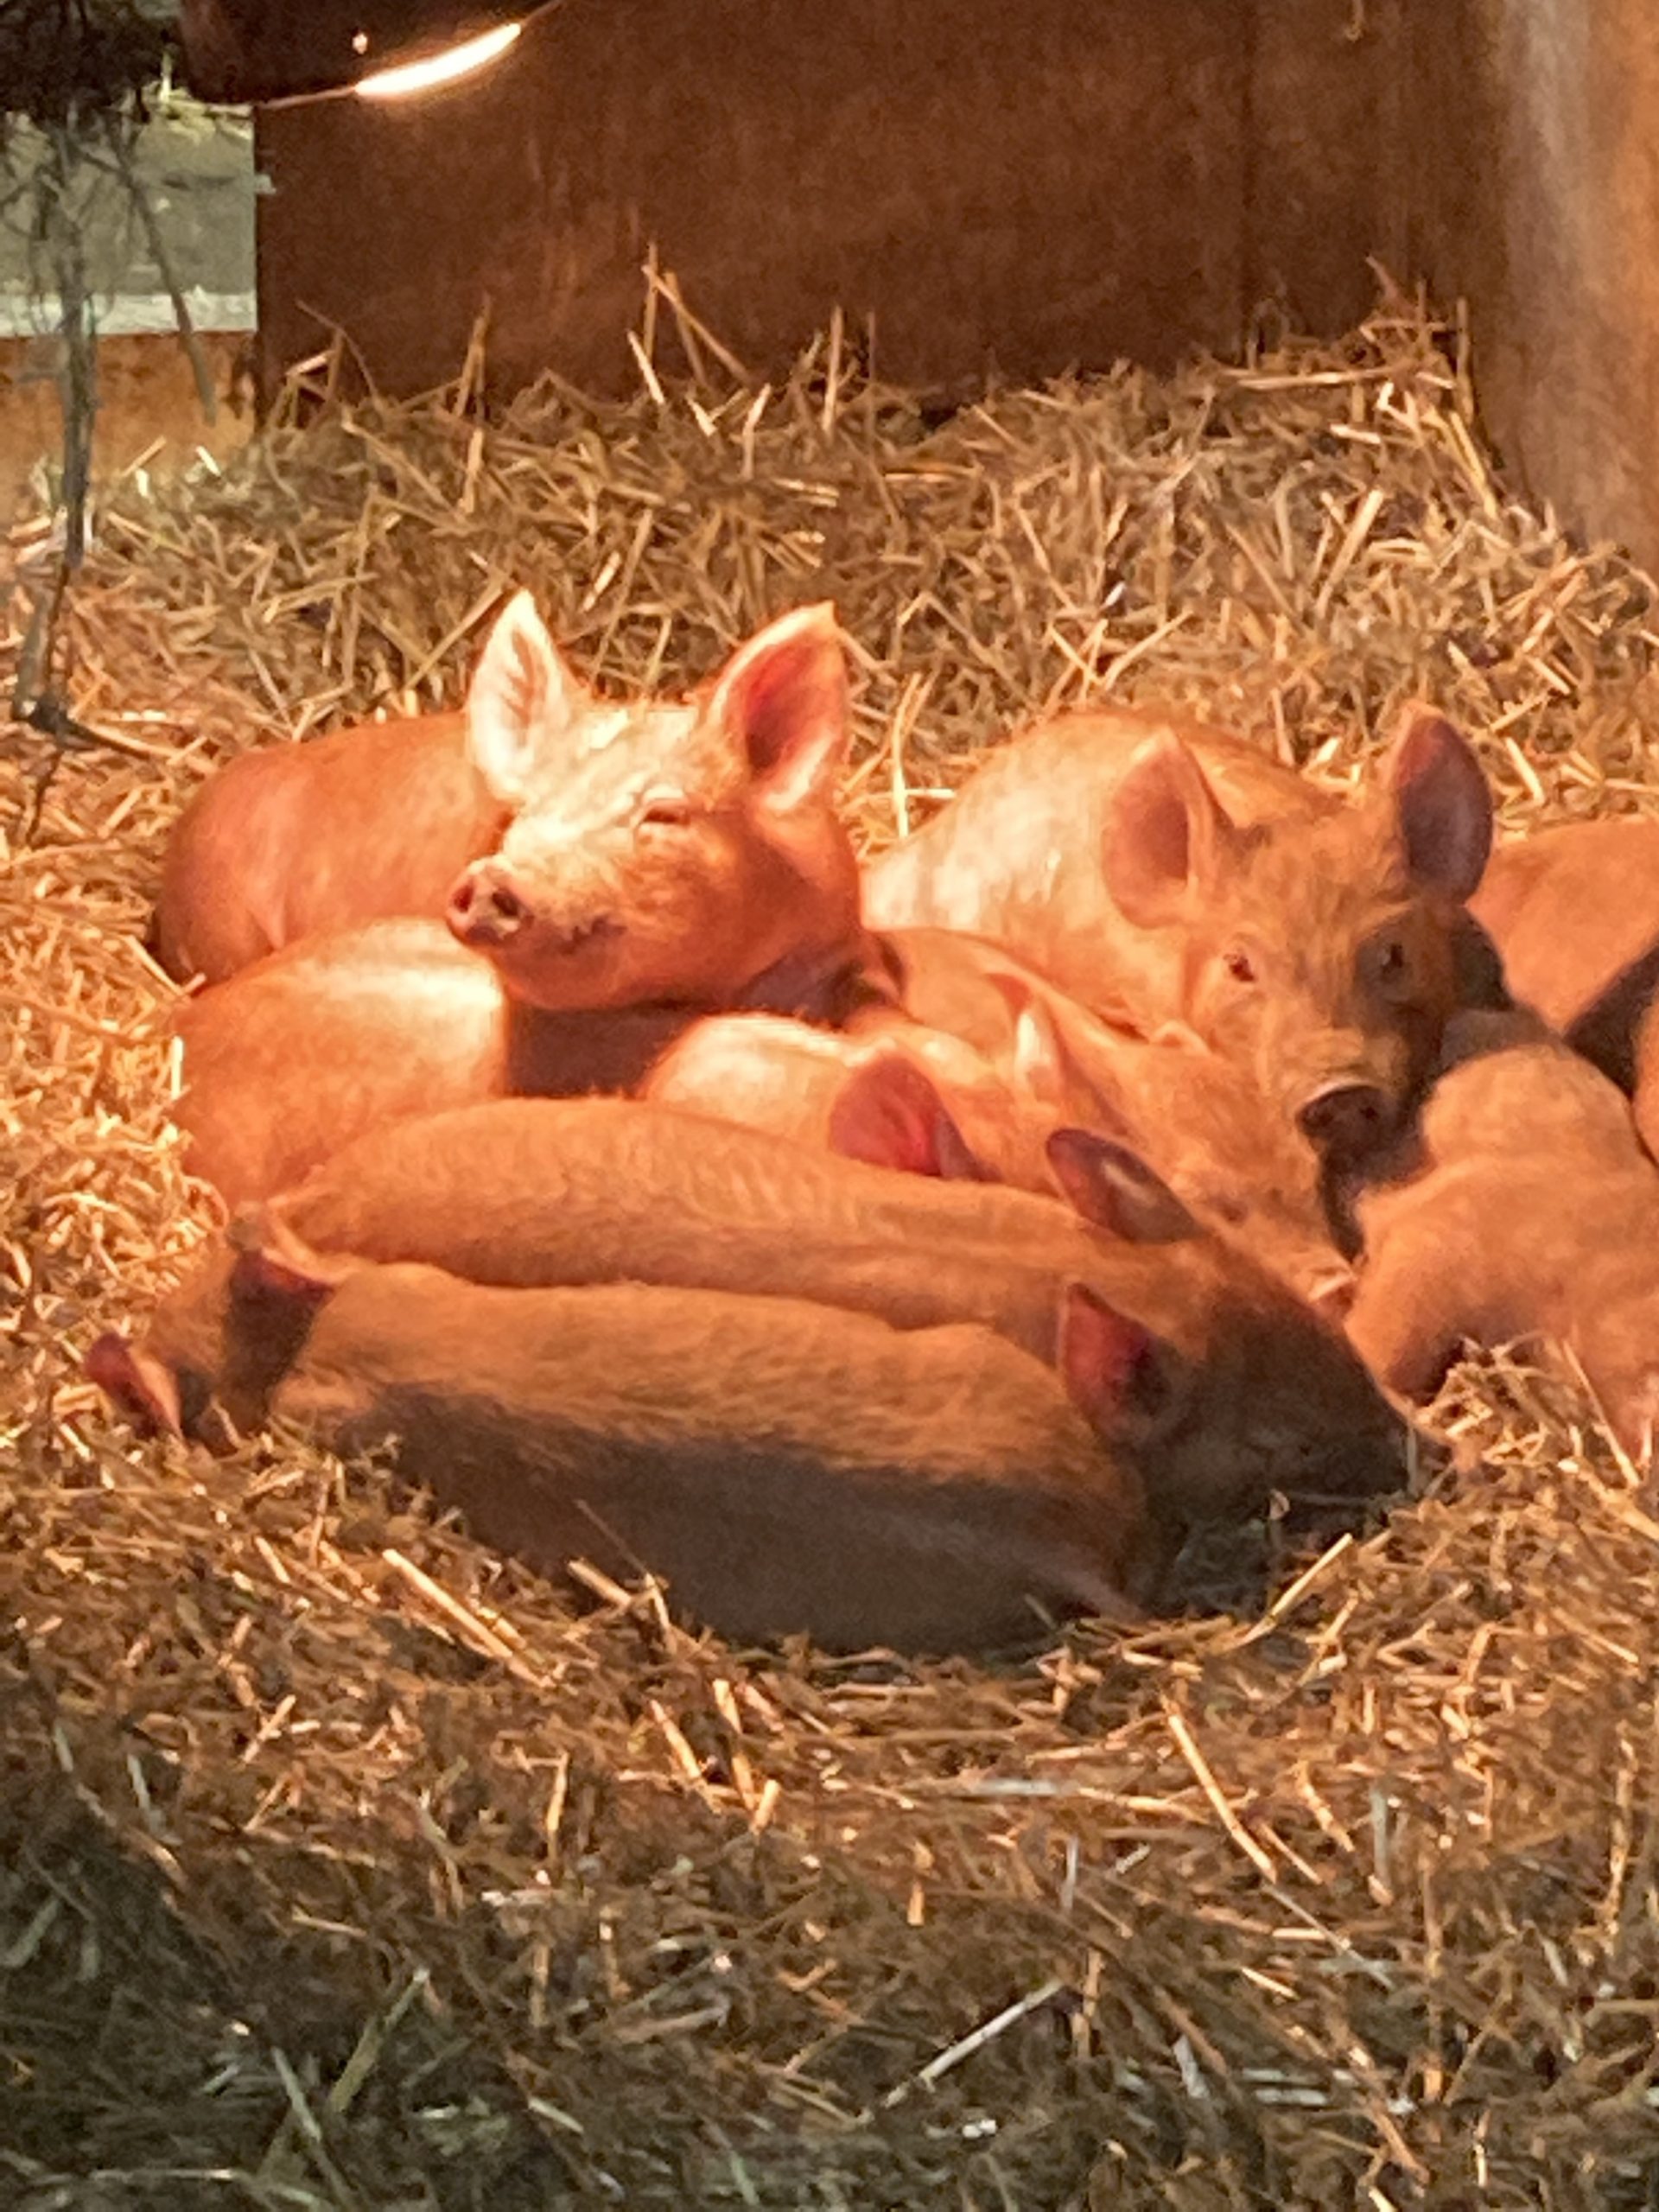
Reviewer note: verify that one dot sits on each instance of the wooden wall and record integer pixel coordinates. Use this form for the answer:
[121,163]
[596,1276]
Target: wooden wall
[1018,188]
[1534,195]
[1028,186]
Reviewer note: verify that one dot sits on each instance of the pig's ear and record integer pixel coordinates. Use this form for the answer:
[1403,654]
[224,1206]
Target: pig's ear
[890,1114]
[523,702]
[1166,840]
[276,1268]
[1127,1383]
[1442,803]
[1333,1294]
[135,1385]
[1112,1187]
[781,702]
[1039,1061]
[1044,1065]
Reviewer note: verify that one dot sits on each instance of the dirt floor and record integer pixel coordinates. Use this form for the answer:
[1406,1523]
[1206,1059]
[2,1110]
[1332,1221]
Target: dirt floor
[343,1864]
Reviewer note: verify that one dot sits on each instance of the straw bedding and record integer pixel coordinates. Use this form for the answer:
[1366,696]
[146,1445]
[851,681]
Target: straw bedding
[346,1865]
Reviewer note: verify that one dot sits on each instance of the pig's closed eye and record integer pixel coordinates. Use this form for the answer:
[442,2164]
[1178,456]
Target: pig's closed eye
[666,812]
[1239,966]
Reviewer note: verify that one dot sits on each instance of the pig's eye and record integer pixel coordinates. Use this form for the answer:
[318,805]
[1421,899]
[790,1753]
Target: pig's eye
[666,813]
[1240,967]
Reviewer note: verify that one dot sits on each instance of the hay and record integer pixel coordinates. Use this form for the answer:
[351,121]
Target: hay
[346,1865]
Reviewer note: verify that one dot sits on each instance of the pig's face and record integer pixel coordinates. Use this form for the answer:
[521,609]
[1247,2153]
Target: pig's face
[1221,1145]
[670,853]
[1323,955]
[1255,1392]
[1321,970]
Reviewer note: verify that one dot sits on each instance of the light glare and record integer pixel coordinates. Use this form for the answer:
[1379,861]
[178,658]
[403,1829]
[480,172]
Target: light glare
[439,68]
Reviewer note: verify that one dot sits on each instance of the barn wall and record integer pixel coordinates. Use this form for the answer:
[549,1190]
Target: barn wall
[1025,188]
[1537,198]
[1065,181]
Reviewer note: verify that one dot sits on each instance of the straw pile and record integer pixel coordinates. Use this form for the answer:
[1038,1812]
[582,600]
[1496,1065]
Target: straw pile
[345,1866]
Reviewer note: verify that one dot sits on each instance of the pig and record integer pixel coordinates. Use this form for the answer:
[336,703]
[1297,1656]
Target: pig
[1528,1211]
[380,821]
[1160,871]
[1201,1121]
[1571,909]
[1574,912]
[1251,1388]
[787,1467]
[687,854]
[751,901]
[869,1098]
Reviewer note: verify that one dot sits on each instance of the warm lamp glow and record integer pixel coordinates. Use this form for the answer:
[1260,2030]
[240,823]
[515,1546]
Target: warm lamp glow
[439,68]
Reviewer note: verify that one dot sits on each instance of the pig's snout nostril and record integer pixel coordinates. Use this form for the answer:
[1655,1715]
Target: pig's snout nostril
[484,909]
[1344,1118]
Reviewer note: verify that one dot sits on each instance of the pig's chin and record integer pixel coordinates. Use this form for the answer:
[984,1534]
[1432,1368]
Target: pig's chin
[567,967]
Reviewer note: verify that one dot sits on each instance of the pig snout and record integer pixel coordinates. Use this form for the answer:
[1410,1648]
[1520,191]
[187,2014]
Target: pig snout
[1346,1118]
[484,907]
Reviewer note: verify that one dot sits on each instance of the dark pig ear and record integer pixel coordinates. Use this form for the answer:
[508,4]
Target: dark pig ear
[1112,1187]
[889,1114]
[282,1272]
[781,703]
[522,702]
[1442,804]
[1127,1383]
[1167,839]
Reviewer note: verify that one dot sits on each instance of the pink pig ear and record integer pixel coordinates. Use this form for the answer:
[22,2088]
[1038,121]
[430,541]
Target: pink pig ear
[135,1385]
[522,702]
[1112,1187]
[1442,803]
[1167,839]
[1127,1383]
[889,1114]
[781,701]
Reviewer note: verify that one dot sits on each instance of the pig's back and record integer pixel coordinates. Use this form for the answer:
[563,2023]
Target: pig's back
[1016,854]
[540,1192]
[289,1060]
[292,840]
[786,1468]
[1570,909]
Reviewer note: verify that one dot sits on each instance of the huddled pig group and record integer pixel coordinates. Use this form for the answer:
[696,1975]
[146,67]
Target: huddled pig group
[902,1256]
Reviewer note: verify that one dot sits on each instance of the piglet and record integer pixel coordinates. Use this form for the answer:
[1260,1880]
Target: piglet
[1574,912]
[1245,1388]
[786,1468]
[1161,871]
[1199,1120]
[1571,909]
[698,862]
[1528,1211]
[388,819]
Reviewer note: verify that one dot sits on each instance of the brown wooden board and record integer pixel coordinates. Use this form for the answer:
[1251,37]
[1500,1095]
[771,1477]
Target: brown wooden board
[1027,188]
[1535,196]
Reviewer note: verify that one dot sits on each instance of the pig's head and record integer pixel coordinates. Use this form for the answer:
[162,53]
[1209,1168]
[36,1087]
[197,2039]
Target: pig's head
[1216,1141]
[1322,953]
[1247,1389]
[664,853]
[215,1349]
